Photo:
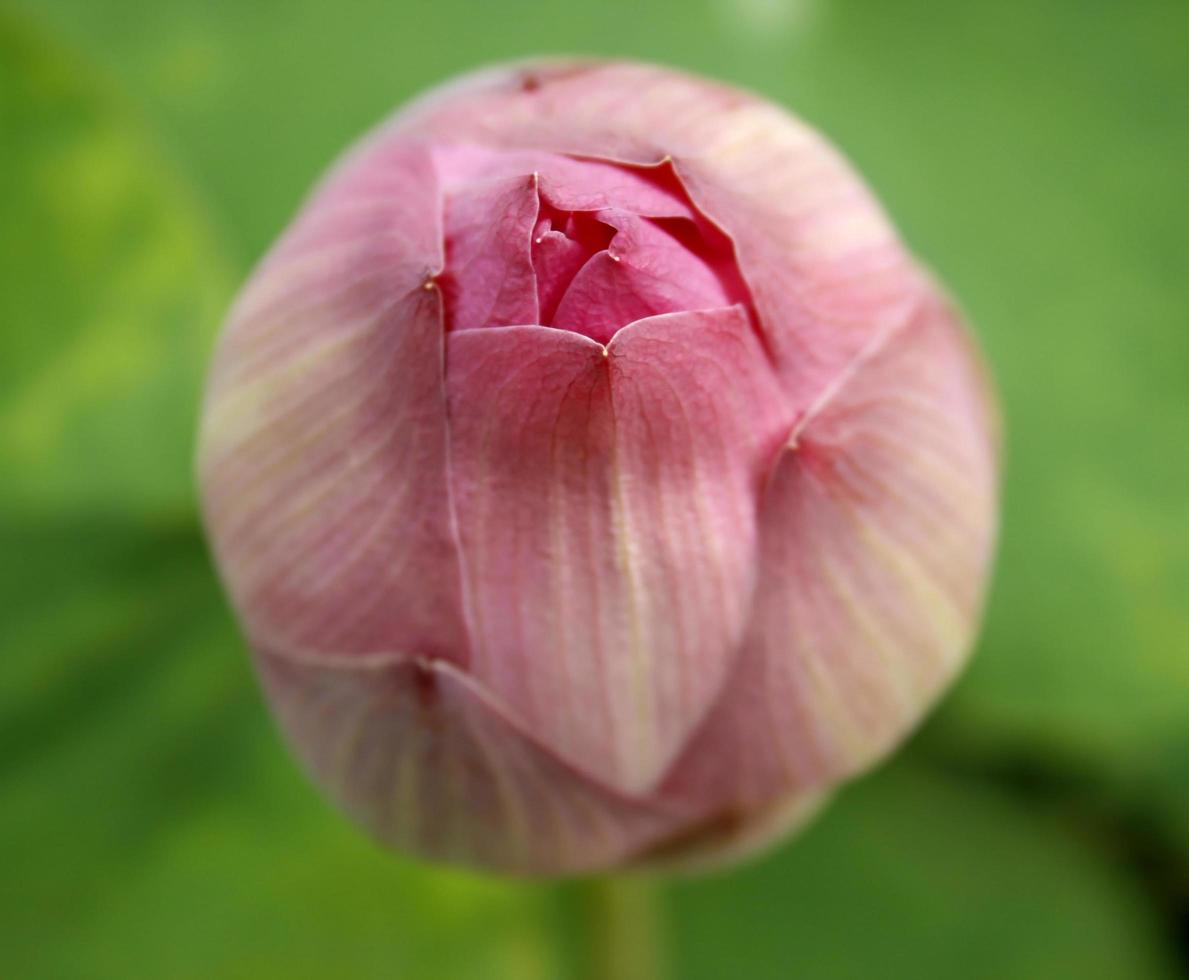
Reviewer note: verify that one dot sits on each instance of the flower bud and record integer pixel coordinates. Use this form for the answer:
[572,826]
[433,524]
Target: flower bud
[597,478]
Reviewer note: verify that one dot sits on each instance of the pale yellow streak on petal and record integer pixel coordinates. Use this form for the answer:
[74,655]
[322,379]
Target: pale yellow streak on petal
[636,741]
[240,412]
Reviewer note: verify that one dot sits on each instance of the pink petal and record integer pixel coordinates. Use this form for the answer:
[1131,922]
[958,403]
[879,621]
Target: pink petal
[594,185]
[567,183]
[489,279]
[606,507]
[322,459]
[645,271]
[826,270]
[876,533]
[429,763]
[556,259]
[825,267]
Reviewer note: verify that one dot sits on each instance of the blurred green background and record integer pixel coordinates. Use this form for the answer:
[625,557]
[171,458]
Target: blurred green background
[151,825]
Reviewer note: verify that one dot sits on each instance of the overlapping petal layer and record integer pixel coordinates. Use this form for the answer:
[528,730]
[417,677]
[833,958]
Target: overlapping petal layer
[644,271]
[876,531]
[567,183]
[584,245]
[322,454]
[606,508]
[826,270]
[418,754]
[490,280]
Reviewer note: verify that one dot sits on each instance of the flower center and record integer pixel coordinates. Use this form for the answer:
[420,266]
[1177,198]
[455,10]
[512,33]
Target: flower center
[574,244]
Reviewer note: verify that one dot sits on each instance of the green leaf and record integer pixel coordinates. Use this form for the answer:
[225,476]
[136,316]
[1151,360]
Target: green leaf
[112,289]
[915,875]
[153,825]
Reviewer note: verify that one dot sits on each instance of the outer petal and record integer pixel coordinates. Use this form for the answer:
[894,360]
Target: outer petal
[322,455]
[427,762]
[876,537]
[825,267]
[643,272]
[606,505]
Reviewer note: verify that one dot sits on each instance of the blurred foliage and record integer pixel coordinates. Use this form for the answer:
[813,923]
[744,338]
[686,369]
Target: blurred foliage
[111,287]
[1034,153]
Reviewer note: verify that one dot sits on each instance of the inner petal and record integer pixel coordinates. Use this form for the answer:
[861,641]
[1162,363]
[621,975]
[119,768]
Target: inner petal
[644,271]
[489,279]
[562,244]
[576,244]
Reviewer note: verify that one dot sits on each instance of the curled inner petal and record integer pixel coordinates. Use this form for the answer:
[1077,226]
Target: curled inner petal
[582,245]
[642,272]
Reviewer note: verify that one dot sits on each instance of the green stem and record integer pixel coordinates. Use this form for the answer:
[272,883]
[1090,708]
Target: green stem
[624,934]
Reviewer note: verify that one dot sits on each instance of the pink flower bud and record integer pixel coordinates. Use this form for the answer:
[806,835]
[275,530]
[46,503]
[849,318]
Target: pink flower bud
[596,476]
